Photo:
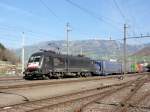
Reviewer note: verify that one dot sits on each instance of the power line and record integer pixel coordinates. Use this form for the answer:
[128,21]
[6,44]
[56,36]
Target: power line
[136,37]
[60,19]
[16,33]
[89,12]
[55,15]
[14,28]
[10,35]
[124,17]
[10,38]
[139,37]
[50,10]
[120,11]
[133,21]
[84,9]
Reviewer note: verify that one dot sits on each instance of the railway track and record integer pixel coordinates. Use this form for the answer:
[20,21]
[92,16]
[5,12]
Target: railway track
[73,102]
[10,78]
[129,102]
[50,82]
[123,107]
[136,103]
[125,102]
[110,93]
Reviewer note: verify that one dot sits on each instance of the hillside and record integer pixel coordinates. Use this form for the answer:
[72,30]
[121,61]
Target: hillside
[143,52]
[7,55]
[99,49]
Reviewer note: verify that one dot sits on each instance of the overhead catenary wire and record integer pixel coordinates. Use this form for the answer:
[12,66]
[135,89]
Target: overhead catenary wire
[20,29]
[132,21]
[50,10]
[61,20]
[11,39]
[30,34]
[120,11]
[85,10]
[92,14]
[139,37]
[14,28]
[125,19]
[123,15]
[54,14]
[69,1]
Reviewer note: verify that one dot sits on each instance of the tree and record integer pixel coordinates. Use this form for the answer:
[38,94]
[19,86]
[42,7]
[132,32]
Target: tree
[7,55]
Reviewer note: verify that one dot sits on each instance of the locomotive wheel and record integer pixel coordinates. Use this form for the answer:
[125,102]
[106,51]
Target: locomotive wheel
[86,74]
[41,78]
[83,74]
[78,74]
[45,77]
[28,78]
[59,77]
[49,75]
[89,74]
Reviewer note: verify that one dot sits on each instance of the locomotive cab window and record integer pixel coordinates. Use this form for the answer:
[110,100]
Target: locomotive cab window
[34,59]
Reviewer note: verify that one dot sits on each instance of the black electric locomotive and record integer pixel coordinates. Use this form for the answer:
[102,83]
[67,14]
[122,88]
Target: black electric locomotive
[48,64]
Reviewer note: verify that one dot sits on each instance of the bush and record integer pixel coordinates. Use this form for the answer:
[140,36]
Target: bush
[7,55]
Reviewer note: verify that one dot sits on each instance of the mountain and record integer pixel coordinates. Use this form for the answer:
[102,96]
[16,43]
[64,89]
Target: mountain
[143,52]
[99,49]
[7,55]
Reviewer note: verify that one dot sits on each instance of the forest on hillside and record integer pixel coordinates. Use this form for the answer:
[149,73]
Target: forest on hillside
[7,55]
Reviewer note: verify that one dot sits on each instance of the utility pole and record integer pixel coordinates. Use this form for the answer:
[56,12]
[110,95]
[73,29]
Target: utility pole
[125,49]
[81,51]
[67,34]
[22,52]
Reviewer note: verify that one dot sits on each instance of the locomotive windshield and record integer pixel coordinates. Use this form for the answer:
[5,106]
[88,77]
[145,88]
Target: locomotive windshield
[34,59]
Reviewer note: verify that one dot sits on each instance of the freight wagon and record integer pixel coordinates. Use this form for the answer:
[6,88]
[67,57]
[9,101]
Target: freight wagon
[134,68]
[107,67]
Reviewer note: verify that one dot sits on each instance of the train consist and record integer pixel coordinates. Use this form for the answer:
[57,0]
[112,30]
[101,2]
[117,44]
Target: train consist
[48,64]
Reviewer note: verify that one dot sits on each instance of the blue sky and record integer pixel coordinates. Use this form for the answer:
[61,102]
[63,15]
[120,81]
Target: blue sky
[41,24]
